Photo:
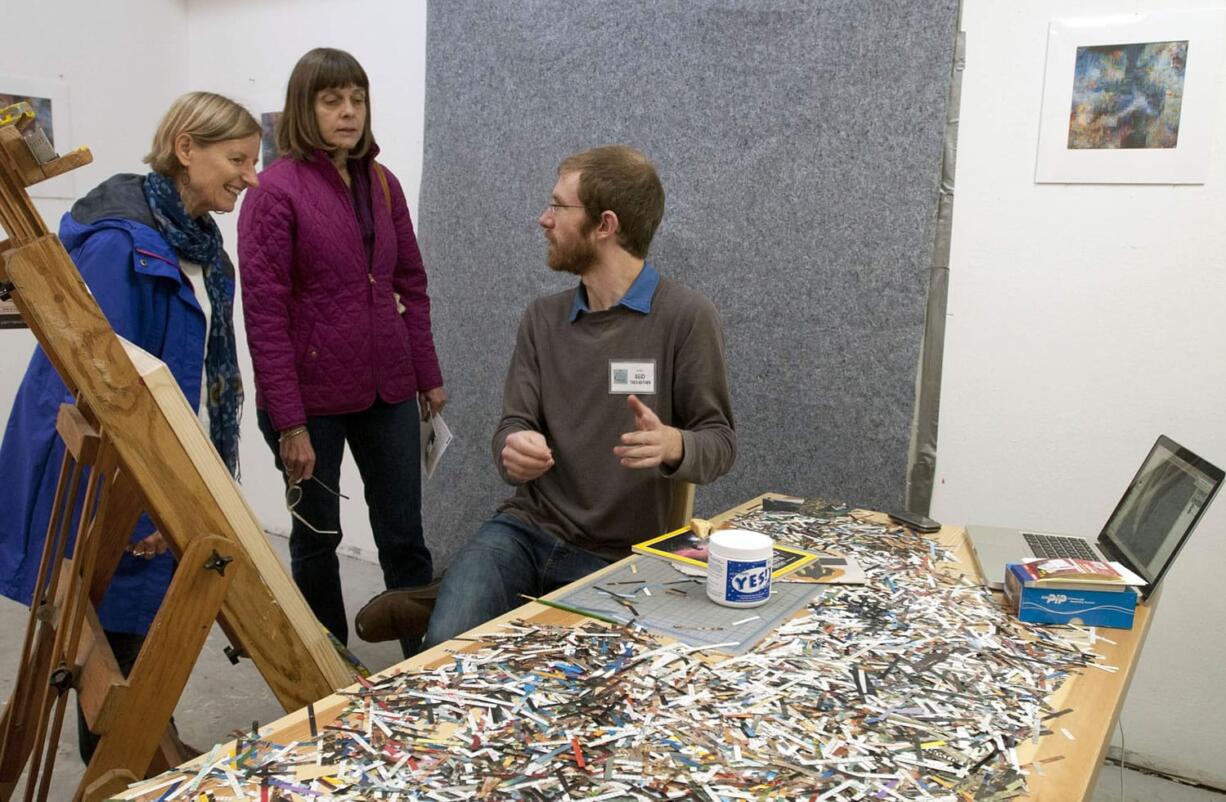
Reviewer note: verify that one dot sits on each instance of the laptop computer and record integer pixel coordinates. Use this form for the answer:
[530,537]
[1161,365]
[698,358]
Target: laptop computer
[1159,510]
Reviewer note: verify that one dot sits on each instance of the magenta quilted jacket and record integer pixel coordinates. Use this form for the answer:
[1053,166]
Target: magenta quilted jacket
[323,326]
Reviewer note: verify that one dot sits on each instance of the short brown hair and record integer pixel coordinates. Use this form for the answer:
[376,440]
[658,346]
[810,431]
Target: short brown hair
[621,180]
[322,68]
[205,117]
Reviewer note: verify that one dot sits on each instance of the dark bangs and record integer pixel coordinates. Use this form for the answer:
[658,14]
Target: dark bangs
[322,68]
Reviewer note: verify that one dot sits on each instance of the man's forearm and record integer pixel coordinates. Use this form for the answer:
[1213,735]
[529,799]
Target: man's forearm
[707,454]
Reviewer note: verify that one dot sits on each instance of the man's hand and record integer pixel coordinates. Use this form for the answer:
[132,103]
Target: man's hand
[652,443]
[432,400]
[526,455]
[298,456]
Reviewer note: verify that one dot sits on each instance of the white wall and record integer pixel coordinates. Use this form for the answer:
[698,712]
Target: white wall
[1083,321]
[121,77]
[246,50]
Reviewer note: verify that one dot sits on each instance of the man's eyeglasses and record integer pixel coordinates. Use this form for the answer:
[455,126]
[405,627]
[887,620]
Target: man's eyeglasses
[293,495]
[553,207]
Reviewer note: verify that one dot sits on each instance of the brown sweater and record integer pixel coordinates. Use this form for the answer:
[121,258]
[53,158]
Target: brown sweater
[558,384]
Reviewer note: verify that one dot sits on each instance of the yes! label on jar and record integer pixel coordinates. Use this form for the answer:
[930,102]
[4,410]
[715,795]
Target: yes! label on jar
[747,581]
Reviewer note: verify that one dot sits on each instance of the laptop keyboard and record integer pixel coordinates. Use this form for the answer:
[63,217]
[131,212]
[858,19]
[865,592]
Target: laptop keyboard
[1052,546]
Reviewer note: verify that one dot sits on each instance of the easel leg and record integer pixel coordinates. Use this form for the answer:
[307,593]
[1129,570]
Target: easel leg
[166,660]
[27,707]
[102,691]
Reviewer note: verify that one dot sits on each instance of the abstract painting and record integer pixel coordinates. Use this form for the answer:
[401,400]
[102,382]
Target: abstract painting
[1128,96]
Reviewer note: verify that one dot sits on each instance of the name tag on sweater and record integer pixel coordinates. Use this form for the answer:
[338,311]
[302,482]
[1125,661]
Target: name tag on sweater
[632,376]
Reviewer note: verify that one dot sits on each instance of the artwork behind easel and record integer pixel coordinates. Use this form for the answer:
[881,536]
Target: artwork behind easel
[49,99]
[10,318]
[43,111]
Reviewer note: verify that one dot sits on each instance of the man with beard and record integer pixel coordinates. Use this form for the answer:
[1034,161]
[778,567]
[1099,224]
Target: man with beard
[616,390]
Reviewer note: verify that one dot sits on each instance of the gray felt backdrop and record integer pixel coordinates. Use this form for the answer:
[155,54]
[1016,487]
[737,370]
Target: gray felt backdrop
[800,146]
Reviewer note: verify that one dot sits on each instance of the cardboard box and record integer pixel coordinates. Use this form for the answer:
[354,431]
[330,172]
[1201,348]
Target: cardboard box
[1103,607]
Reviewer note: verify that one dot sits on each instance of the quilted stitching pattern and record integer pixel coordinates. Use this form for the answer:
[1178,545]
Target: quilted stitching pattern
[325,334]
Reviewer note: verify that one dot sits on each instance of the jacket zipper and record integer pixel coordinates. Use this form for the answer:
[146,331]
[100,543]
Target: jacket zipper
[370,277]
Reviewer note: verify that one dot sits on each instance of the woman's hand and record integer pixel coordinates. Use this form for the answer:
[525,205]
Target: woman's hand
[148,547]
[297,455]
[432,401]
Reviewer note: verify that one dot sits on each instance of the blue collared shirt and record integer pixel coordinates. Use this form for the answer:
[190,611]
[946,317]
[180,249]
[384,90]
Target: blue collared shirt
[638,297]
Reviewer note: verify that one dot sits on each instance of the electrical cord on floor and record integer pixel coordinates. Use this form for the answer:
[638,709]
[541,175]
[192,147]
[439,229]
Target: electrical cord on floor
[1119,722]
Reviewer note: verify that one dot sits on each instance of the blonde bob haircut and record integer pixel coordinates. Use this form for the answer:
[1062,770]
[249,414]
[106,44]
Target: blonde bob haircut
[298,129]
[205,117]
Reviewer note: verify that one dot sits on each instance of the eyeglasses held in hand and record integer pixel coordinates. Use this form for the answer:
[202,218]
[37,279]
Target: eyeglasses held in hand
[293,495]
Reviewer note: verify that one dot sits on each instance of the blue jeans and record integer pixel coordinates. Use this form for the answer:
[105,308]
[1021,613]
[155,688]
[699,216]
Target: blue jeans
[384,442]
[504,559]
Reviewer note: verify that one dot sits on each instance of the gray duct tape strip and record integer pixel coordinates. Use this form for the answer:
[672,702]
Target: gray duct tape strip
[922,455]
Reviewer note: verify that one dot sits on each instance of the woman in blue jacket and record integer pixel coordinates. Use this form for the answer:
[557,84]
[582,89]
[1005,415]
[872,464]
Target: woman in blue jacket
[152,257]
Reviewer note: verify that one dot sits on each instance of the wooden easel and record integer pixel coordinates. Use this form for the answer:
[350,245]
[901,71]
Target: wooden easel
[133,445]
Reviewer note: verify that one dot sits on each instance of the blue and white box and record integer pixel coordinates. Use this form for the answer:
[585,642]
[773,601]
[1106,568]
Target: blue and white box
[1044,604]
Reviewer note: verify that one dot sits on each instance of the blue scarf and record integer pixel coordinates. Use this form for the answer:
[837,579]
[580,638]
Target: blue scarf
[199,241]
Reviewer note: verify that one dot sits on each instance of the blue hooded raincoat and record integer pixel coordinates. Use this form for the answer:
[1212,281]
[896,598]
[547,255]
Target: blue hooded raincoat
[135,277]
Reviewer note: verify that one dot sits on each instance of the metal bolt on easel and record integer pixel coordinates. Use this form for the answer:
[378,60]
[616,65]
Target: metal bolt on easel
[217,563]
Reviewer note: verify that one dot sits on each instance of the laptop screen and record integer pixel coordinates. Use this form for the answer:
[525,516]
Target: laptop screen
[1160,507]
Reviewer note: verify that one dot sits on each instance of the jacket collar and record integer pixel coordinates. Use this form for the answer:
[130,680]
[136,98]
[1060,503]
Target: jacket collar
[321,158]
[118,203]
[637,298]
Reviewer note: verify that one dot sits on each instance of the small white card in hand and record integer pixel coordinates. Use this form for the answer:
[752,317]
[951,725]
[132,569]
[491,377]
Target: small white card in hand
[435,437]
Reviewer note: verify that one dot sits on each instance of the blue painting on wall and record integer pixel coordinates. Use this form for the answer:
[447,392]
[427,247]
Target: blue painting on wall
[1127,96]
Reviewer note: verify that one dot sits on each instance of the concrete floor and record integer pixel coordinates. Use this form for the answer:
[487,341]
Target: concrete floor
[221,698]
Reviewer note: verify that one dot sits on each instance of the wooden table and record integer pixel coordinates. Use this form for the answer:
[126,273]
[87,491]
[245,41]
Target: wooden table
[1095,696]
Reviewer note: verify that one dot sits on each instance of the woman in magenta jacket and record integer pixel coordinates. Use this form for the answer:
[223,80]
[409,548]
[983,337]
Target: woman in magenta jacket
[338,323]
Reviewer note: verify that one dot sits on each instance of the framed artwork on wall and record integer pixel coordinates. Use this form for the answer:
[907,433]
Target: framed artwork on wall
[1130,99]
[49,98]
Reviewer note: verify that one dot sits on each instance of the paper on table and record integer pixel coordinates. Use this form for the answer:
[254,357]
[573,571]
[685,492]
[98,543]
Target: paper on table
[1125,575]
[435,437]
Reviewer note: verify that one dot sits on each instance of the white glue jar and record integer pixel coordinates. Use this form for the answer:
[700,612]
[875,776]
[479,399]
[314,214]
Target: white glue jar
[739,568]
